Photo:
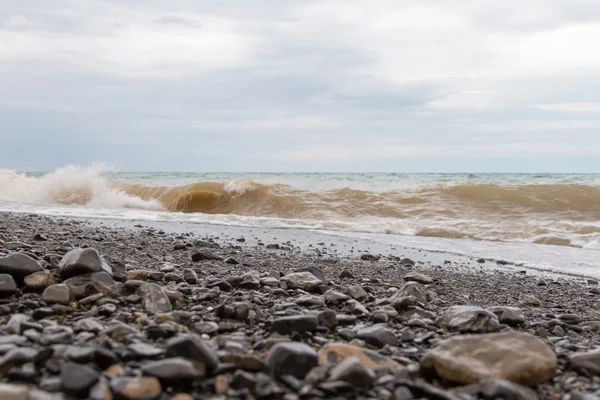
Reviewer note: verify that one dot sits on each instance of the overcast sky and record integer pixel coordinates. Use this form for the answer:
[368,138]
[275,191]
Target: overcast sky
[323,85]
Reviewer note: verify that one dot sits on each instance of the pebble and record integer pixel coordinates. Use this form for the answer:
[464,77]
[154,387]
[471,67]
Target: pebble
[531,301]
[589,361]
[337,352]
[302,280]
[419,278]
[193,347]
[77,379]
[356,292]
[135,388]
[508,315]
[413,289]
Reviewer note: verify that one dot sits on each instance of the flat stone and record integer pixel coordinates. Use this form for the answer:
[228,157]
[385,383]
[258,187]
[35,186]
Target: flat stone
[19,265]
[82,261]
[418,277]
[515,356]
[291,358]
[231,260]
[368,257]
[193,347]
[302,280]
[77,379]
[295,323]
[138,388]
[154,299]
[468,319]
[351,370]
[327,318]
[335,353]
[15,323]
[16,245]
[411,289]
[270,281]
[39,281]
[8,287]
[59,293]
[378,335]
[308,301]
[589,361]
[175,369]
[508,315]
[16,357]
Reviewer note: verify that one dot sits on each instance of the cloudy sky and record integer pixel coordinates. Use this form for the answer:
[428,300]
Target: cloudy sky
[308,85]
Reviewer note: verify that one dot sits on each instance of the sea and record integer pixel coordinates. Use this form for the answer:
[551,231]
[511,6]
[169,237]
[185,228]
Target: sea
[546,221]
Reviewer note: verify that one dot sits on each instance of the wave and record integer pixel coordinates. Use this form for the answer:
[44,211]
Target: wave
[565,214]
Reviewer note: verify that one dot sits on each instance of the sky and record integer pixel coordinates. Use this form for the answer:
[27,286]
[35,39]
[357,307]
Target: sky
[308,85]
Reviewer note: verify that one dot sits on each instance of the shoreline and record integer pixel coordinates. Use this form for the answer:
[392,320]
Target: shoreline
[244,301]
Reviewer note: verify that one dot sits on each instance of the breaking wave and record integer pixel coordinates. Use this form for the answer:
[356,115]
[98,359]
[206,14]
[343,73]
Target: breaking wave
[565,214]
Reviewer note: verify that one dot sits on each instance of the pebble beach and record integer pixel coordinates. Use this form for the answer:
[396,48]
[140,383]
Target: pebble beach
[137,312]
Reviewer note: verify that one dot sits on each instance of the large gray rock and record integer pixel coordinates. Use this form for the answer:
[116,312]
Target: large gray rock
[589,361]
[468,319]
[176,369]
[19,265]
[82,261]
[154,300]
[351,370]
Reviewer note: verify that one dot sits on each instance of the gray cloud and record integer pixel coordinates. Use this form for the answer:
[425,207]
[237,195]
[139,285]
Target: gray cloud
[300,85]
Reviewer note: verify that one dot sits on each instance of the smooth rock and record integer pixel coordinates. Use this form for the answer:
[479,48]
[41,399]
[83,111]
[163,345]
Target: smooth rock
[500,389]
[190,276]
[351,370]
[154,299]
[82,261]
[589,361]
[59,293]
[468,319]
[291,358]
[96,282]
[508,315]
[8,287]
[531,301]
[193,347]
[39,281]
[411,289]
[19,265]
[356,292]
[378,335]
[302,280]
[316,271]
[204,255]
[13,392]
[250,280]
[295,323]
[77,379]
[515,356]
[335,353]
[135,388]
[175,369]
[419,278]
